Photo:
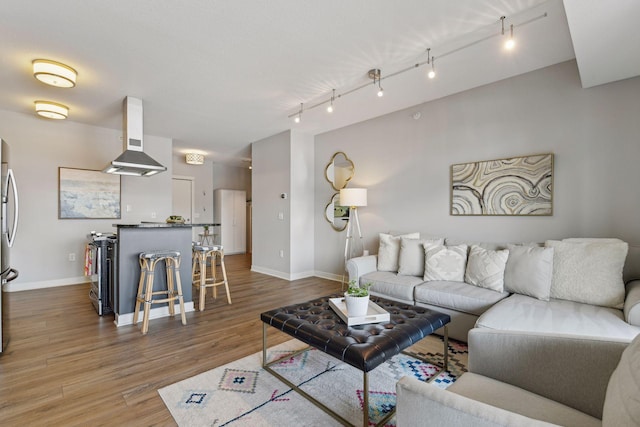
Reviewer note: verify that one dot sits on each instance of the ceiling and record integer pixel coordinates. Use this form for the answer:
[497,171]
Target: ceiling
[217,75]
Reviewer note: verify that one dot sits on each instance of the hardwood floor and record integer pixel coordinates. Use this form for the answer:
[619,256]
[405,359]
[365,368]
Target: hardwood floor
[65,365]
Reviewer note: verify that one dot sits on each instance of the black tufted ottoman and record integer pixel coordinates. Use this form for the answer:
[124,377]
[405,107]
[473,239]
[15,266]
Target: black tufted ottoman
[363,347]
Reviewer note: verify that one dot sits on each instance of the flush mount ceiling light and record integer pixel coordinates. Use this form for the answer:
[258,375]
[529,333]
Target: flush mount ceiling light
[54,73]
[195,158]
[51,110]
[376,74]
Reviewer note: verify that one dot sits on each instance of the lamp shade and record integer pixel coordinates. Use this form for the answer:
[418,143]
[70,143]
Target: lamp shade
[195,158]
[353,197]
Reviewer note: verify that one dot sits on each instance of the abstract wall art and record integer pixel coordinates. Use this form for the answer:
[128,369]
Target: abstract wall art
[514,186]
[88,194]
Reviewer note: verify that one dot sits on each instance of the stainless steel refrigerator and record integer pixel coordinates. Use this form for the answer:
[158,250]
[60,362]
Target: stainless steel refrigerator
[9,221]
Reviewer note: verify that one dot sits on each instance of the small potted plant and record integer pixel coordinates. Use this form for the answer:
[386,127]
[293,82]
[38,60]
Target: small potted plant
[357,299]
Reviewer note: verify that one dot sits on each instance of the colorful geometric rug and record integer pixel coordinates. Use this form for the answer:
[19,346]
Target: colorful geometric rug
[241,393]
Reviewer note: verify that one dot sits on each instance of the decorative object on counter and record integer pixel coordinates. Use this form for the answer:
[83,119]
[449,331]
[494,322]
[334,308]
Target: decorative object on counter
[354,198]
[204,256]
[87,194]
[514,186]
[194,158]
[357,299]
[148,261]
[54,73]
[175,219]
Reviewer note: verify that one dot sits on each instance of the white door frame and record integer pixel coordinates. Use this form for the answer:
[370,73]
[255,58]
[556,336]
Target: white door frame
[193,193]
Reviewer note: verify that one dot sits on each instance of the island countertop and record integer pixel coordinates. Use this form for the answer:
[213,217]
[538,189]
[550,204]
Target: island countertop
[163,225]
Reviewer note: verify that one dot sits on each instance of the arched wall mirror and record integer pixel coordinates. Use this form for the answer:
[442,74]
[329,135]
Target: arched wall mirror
[339,171]
[337,215]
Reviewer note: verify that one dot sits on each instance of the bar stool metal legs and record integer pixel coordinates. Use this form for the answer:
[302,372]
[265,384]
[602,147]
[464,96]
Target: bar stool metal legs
[148,262]
[204,278]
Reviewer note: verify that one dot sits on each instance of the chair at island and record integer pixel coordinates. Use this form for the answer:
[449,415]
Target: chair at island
[203,277]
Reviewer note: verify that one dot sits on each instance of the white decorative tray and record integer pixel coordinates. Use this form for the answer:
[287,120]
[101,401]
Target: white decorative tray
[375,314]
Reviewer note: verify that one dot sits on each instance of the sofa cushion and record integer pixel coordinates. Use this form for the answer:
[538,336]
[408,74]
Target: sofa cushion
[529,271]
[523,402]
[485,268]
[622,401]
[411,258]
[445,262]
[392,285]
[389,250]
[523,313]
[457,296]
[589,271]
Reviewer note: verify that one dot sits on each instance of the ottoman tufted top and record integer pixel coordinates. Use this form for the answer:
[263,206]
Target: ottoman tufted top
[364,346]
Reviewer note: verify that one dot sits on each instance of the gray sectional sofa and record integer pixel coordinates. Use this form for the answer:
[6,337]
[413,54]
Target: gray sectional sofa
[570,287]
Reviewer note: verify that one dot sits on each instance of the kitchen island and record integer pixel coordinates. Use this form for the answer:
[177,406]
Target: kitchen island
[136,238]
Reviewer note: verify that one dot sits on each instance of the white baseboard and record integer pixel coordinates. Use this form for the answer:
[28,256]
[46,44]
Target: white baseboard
[154,313]
[281,274]
[29,286]
[331,276]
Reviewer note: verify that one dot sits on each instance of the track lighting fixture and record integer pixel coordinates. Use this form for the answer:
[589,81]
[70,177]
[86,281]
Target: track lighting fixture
[432,72]
[510,43]
[298,116]
[376,75]
[330,107]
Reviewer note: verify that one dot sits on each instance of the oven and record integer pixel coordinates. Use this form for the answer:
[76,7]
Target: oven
[101,254]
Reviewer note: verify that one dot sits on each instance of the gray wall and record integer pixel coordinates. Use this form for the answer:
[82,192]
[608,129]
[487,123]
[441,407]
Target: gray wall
[38,148]
[405,163]
[271,176]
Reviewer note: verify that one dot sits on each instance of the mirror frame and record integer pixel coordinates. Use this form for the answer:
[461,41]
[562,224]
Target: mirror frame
[330,210]
[331,163]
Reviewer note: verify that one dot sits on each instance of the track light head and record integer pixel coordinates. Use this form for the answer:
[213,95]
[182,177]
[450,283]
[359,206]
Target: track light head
[510,43]
[432,71]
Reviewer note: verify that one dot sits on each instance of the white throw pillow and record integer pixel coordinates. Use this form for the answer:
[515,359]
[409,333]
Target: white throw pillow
[445,262]
[411,259]
[485,268]
[529,271]
[589,272]
[389,250]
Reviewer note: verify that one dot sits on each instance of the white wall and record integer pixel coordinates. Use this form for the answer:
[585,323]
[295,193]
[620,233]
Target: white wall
[203,186]
[405,163]
[38,148]
[232,178]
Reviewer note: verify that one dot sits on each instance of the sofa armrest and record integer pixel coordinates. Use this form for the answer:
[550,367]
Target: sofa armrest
[423,404]
[360,266]
[632,303]
[570,369]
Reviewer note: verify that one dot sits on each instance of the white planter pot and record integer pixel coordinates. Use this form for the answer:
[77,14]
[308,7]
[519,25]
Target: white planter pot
[356,306]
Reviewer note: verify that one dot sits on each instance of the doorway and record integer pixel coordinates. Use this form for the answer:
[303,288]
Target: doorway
[182,197]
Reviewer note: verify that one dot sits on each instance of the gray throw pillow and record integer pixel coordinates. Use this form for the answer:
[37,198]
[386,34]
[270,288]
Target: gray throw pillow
[529,271]
[411,259]
[389,250]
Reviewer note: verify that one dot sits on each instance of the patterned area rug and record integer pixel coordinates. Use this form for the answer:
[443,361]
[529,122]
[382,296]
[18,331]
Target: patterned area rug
[241,393]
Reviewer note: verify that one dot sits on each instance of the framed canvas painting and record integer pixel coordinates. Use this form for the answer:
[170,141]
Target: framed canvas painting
[513,186]
[88,194]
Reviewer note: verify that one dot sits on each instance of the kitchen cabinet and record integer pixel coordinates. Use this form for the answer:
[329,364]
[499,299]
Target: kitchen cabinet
[230,210]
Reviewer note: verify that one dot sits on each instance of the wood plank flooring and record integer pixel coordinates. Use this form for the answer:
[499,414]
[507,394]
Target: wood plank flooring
[65,365]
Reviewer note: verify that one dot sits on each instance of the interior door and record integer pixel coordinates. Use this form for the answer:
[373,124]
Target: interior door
[182,198]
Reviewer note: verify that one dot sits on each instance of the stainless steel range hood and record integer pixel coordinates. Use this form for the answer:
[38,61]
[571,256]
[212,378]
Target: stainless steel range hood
[133,161]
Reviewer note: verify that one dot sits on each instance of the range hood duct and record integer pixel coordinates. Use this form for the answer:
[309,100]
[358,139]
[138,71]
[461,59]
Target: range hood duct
[133,161]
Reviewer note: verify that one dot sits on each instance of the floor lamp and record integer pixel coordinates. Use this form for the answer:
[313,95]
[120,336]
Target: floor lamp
[354,198]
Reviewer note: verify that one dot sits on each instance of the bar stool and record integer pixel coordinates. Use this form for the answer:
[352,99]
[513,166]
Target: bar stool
[203,255]
[148,261]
